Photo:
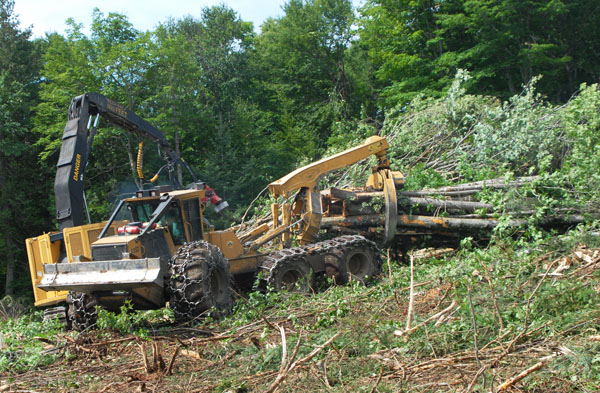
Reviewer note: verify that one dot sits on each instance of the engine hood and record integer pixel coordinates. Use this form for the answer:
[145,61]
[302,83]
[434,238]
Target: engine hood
[116,239]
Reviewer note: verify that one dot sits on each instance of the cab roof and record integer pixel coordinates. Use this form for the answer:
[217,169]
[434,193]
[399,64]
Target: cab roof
[177,194]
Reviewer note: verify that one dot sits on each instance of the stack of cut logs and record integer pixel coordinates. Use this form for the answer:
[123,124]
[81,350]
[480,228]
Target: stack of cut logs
[430,217]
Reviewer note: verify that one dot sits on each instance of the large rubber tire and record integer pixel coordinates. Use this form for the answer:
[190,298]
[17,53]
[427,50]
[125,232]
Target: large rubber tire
[358,259]
[82,311]
[287,270]
[199,282]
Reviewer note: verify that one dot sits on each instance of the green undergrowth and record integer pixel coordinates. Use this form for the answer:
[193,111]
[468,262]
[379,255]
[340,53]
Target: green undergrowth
[544,314]
[25,342]
[140,323]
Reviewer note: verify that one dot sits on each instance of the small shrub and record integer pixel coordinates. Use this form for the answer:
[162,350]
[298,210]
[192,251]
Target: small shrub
[129,321]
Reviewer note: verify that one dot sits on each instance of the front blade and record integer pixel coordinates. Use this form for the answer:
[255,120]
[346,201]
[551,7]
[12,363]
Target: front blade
[124,274]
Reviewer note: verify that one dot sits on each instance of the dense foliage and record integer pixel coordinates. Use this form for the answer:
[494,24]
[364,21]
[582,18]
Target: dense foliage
[244,108]
[417,46]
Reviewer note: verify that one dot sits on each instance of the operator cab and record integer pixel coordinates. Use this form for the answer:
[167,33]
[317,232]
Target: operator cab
[178,212]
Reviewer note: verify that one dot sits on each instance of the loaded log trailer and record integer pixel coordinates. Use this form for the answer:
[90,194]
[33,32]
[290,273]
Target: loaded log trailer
[441,217]
[158,247]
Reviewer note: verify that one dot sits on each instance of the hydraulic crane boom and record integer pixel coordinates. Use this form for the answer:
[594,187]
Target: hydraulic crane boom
[308,175]
[76,146]
[308,201]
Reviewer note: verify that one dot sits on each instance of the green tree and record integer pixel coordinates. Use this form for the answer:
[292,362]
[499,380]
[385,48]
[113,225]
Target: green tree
[304,66]
[579,25]
[513,43]
[417,46]
[219,42]
[201,80]
[206,92]
[174,78]
[21,181]
[412,52]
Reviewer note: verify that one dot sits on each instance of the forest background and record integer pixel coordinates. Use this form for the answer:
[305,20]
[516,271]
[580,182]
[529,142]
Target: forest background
[464,89]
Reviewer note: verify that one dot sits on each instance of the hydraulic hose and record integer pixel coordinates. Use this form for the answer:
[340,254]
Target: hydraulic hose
[140,156]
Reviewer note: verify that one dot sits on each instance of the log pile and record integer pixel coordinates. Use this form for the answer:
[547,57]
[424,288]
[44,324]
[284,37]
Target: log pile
[432,217]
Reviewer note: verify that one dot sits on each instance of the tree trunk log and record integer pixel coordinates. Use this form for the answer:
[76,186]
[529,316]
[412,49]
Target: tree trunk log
[445,205]
[466,189]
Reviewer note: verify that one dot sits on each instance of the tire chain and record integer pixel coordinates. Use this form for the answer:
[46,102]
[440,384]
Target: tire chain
[185,308]
[81,315]
[336,246]
[277,260]
[341,244]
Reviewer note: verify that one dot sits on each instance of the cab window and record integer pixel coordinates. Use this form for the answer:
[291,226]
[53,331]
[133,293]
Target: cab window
[191,207]
[144,211]
[172,220]
[137,211]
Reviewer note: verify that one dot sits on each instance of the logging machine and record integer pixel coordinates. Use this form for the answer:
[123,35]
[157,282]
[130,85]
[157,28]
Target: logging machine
[157,247]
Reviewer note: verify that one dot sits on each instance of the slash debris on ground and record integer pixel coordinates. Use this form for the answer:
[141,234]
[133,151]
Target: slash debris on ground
[485,325]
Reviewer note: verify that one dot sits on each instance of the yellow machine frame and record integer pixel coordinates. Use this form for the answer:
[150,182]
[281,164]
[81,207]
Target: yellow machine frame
[41,250]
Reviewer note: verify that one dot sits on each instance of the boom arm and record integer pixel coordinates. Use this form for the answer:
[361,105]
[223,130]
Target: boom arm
[308,200]
[309,175]
[74,153]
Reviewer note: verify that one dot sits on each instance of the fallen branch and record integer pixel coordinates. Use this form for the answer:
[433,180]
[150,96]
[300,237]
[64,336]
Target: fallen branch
[526,372]
[172,361]
[474,326]
[120,340]
[378,380]
[475,378]
[314,352]
[445,317]
[284,369]
[282,375]
[414,286]
[192,354]
[525,329]
[528,310]
[401,333]
[324,370]
[389,263]
[283,349]
[104,389]
[472,188]
[254,308]
[495,301]
[411,298]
